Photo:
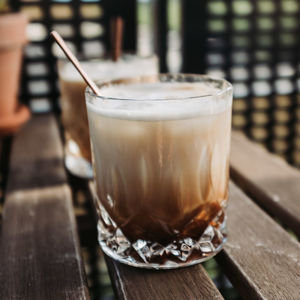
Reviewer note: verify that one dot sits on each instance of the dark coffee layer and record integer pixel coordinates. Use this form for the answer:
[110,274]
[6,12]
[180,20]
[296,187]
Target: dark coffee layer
[144,226]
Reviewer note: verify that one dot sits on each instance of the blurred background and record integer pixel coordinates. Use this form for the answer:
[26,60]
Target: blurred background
[255,44]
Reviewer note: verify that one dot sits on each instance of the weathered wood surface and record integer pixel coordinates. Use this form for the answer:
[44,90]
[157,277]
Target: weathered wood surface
[133,283]
[181,284]
[261,259]
[39,250]
[267,179]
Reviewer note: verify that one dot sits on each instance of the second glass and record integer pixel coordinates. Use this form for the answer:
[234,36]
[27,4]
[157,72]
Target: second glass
[74,115]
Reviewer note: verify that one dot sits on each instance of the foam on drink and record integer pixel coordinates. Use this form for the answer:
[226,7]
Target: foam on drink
[180,100]
[161,158]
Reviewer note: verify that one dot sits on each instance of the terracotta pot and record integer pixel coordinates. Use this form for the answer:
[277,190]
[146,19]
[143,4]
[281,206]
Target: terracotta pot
[12,40]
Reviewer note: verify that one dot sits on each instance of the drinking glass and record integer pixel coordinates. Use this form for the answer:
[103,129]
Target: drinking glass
[160,148]
[74,115]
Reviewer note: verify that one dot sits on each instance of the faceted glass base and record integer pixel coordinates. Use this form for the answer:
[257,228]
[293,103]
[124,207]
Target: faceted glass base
[76,164]
[152,255]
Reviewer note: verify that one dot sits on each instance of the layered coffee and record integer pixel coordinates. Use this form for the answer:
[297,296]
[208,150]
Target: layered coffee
[161,156]
[74,115]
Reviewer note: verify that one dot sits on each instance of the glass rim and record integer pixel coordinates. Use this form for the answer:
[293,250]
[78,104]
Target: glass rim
[144,79]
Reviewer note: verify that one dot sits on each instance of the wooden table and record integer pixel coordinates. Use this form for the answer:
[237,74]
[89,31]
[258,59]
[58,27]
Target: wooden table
[40,254]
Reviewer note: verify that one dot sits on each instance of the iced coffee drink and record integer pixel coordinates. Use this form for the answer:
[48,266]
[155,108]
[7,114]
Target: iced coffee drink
[74,116]
[160,147]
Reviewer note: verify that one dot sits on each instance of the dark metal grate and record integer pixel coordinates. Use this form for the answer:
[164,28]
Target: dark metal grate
[84,24]
[255,44]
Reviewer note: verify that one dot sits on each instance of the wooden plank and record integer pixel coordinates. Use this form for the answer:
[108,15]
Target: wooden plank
[261,259]
[186,283]
[39,249]
[267,179]
[36,156]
